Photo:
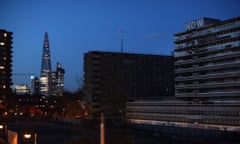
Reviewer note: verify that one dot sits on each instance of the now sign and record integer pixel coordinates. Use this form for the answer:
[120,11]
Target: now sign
[195,24]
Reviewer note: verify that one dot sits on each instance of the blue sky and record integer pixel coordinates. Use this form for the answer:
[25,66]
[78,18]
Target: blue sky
[78,26]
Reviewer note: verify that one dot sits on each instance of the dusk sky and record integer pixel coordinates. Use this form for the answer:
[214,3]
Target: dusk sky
[78,26]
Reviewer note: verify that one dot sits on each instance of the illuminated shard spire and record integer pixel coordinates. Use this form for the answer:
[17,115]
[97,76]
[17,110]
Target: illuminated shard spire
[46,58]
[45,77]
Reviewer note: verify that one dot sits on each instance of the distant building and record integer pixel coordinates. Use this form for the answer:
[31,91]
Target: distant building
[34,85]
[111,79]
[59,80]
[46,72]
[50,83]
[207,59]
[5,63]
[21,89]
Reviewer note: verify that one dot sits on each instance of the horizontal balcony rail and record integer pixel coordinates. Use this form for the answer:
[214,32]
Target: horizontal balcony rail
[208,85]
[207,59]
[208,68]
[210,94]
[185,116]
[209,76]
[205,50]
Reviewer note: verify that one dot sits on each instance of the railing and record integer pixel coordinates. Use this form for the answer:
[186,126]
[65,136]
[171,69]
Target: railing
[208,68]
[209,76]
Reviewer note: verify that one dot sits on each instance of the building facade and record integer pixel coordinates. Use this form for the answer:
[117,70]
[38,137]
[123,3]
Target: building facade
[214,119]
[111,79]
[21,89]
[5,63]
[59,82]
[207,85]
[34,85]
[208,59]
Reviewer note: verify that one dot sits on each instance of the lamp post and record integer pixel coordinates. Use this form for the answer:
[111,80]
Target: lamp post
[29,137]
[102,130]
[3,132]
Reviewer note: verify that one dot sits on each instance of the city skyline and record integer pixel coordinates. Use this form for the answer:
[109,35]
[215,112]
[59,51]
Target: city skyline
[77,27]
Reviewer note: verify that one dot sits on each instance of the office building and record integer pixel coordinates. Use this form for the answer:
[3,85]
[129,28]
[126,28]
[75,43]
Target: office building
[21,89]
[34,85]
[59,80]
[208,59]
[5,63]
[207,85]
[111,79]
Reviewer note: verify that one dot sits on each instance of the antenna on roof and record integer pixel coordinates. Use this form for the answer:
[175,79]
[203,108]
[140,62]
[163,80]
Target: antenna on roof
[121,38]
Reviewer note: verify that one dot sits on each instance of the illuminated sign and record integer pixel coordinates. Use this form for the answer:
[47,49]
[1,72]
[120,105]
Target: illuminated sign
[195,24]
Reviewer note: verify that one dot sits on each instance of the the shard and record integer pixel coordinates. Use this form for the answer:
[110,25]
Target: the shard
[46,72]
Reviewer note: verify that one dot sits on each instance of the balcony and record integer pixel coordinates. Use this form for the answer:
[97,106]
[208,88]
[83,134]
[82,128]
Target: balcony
[208,58]
[208,85]
[210,94]
[219,57]
[209,76]
[208,68]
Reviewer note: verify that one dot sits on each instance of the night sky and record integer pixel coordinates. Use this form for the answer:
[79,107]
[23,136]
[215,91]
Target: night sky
[78,26]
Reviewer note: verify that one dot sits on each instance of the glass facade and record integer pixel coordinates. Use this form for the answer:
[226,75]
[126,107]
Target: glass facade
[59,82]
[46,88]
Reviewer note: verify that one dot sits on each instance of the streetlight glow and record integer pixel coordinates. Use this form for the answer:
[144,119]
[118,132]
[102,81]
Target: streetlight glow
[27,135]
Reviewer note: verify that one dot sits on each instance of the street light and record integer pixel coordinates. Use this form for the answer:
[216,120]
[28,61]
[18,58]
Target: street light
[3,131]
[29,137]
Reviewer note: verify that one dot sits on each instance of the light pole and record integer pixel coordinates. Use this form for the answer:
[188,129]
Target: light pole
[30,137]
[102,130]
[3,132]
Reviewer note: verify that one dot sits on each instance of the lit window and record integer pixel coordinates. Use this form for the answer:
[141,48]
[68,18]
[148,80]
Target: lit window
[4,86]
[5,34]
[2,67]
[2,43]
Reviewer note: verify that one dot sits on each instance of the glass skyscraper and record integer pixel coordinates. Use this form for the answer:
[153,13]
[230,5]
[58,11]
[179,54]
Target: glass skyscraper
[45,77]
[51,83]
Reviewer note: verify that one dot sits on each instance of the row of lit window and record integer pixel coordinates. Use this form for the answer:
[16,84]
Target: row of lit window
[28,100]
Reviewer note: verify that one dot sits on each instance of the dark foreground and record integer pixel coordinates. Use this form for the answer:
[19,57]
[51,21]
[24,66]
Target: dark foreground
[88,132]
